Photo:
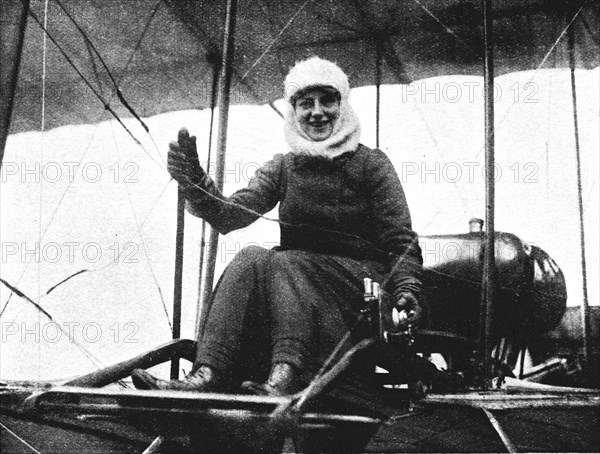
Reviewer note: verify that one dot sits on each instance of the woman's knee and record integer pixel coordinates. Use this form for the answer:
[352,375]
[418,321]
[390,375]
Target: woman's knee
[251,257]
[284,260]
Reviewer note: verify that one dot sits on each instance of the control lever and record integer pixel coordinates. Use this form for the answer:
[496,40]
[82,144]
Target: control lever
[386,321]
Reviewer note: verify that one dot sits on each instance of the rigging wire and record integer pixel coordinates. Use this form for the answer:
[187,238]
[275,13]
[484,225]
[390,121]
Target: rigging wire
[447,29]
[272,43]
[335,352]
[541,64]
[331,19]
[274,220]
[95,50]
[89,45]
[139,42]
[508,444]
[42,137]
[257,214]
[327,363]
[90,52]
[130,59]
[22,440]
[6,304]
[547,150]
[116,84]
[311,228]
[141,225]
[89,85]
[290,225]
[20,294]
[267,10]
[89,355]
[302,6]
[51,289]
[105,267]
[585,2]
[52,216]
[203,243]
[439,152]
[140,236]
[264,217]
[595,38]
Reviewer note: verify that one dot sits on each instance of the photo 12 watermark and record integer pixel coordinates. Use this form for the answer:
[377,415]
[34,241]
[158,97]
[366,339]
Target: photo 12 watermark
[467,172]
[436,251]
[467,91]
[69,252]
[228,250]
[234,172]
[73,332]
[69,172]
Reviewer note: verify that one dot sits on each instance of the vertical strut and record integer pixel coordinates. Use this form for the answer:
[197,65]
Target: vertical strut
[178,279]
[585,310]
[224,89]
[489,265]
[213,102]
[378,54]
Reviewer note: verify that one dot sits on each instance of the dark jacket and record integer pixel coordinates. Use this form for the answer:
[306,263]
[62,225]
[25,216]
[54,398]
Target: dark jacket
[352,205]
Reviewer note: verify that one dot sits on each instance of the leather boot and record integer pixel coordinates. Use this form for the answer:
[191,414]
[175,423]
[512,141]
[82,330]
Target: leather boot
[283,381]
[203,379]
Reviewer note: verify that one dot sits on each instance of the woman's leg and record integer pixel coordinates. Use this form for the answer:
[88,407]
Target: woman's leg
[233,325]
[314,299]
[237,319]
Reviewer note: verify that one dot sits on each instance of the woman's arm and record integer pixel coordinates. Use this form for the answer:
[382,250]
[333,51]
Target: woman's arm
[243,207]
[392,221]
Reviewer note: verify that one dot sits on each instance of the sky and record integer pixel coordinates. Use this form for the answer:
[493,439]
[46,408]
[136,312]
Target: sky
[87,199]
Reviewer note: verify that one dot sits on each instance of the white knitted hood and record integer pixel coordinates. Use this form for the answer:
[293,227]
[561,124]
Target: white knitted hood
[316,72]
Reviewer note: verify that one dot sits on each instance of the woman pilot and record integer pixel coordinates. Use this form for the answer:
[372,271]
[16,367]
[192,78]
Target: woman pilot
[343,217]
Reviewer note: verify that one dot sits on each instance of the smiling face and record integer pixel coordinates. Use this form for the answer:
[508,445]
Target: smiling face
[316,111]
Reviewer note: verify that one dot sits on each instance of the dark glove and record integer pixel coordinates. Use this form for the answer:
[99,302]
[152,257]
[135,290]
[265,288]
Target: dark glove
[182,161]
[409,310]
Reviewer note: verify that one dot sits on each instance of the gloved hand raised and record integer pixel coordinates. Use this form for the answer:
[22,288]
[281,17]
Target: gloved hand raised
[182,161]
[408,310]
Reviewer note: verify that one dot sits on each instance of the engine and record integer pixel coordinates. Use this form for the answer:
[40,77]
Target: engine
[530,293]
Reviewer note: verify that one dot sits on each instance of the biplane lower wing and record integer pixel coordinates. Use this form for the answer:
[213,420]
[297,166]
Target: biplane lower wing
[199,421]
[492,421]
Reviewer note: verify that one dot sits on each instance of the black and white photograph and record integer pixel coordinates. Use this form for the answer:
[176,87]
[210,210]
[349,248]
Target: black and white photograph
[299,226]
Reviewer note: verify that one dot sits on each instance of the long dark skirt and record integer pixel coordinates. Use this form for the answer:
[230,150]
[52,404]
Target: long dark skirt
[286,306]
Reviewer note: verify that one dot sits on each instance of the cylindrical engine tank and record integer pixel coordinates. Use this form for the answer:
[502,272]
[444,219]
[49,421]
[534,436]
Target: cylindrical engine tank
[530,293]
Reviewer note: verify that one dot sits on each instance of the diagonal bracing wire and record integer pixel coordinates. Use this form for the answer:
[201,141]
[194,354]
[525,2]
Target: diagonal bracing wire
[115,82]
[89,355]
[22,440]
[272,43]
[447,29]
[541,64]
[88,84]
[543,61]
[70,182]
[95,50]
[91,270]
[80,74]
[275,220]
[311,228]
[145,249]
